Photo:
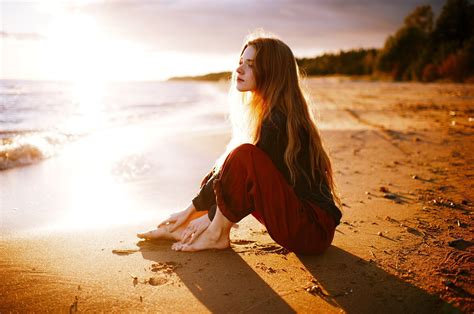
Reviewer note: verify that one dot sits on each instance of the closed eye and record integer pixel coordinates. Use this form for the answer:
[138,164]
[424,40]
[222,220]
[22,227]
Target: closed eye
[248,61]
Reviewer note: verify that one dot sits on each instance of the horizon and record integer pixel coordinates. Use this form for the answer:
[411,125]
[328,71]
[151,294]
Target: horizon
[95,40]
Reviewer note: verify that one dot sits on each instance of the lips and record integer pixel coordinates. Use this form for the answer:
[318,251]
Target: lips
[239,79]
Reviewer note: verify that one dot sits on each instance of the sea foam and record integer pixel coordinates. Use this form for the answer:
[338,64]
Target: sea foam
[26,149]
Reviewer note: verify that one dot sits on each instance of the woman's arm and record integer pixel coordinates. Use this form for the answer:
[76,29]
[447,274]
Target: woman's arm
[206,197]
[177,219]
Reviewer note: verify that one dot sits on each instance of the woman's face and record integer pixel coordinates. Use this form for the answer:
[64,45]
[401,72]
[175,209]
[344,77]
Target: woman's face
[245,77]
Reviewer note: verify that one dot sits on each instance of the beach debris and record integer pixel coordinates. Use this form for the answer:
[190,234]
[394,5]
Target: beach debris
[124,251]
[165,267]
[465,202]
[135,280]
[141,299]
[393,197]
[414,177]
[390,196]
[460,244]
[73,307]
[343,293]
[156,281]
[316,289]
[380,233]
[382,189]
[443,202]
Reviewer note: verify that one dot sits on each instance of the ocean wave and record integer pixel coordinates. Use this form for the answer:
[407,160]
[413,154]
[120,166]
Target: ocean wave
[29,148]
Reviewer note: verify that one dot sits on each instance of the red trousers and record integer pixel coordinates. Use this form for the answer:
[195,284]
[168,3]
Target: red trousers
[249,183]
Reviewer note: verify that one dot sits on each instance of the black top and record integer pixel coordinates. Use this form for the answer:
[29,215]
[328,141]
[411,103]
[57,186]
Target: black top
[273,141]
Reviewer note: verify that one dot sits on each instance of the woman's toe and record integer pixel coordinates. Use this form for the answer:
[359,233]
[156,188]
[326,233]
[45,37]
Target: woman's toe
[176,246]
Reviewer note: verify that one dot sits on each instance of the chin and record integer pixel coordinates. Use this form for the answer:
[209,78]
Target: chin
[242,88]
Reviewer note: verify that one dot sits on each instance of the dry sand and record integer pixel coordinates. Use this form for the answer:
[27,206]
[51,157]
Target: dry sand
[403,160]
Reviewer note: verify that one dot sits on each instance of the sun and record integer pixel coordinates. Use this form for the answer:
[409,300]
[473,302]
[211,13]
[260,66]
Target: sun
[78,49]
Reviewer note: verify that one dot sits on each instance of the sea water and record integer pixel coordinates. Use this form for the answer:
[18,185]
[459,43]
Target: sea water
[38,118]
[90,154]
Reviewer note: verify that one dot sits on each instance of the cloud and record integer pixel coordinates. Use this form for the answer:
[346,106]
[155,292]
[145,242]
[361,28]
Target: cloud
[220,26]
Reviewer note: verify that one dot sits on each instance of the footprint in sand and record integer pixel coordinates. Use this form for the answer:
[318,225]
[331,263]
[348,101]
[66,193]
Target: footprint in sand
[242,242]
[165,267]
[265,268]
[157,281]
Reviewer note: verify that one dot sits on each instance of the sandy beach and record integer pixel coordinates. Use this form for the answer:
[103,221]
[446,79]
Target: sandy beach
[402,153]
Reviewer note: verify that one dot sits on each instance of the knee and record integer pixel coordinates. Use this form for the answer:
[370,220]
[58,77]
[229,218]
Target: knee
[245,154]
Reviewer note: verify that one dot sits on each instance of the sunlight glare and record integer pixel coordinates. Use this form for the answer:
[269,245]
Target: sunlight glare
[78,49]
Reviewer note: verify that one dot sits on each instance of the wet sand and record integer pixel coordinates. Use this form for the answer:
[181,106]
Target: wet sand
[403,159]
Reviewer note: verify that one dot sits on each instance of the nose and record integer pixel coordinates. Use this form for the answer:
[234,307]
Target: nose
[239,69]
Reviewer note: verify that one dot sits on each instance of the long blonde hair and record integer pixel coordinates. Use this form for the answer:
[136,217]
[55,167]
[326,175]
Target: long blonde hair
[278,87]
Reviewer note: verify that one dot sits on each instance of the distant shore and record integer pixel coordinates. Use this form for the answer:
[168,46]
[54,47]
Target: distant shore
[226,76]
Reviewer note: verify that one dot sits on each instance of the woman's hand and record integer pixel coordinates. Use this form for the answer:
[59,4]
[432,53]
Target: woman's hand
[177,219]
[195,228]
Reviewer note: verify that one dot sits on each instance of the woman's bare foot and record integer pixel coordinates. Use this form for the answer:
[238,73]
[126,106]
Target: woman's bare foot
[205,241]
[162,233]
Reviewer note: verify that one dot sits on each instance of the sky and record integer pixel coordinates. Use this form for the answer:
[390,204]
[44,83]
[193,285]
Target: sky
[153,40]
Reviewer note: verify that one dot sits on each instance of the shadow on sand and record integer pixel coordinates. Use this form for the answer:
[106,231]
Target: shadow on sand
[359,286]
[224,282]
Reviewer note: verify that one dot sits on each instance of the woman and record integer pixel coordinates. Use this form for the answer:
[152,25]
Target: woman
[281,175]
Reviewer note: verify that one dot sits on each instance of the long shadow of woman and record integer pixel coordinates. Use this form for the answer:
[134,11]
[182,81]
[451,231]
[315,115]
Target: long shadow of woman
[222,281]
[359,286]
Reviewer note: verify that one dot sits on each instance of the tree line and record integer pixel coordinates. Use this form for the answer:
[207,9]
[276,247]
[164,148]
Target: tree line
[421,50]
